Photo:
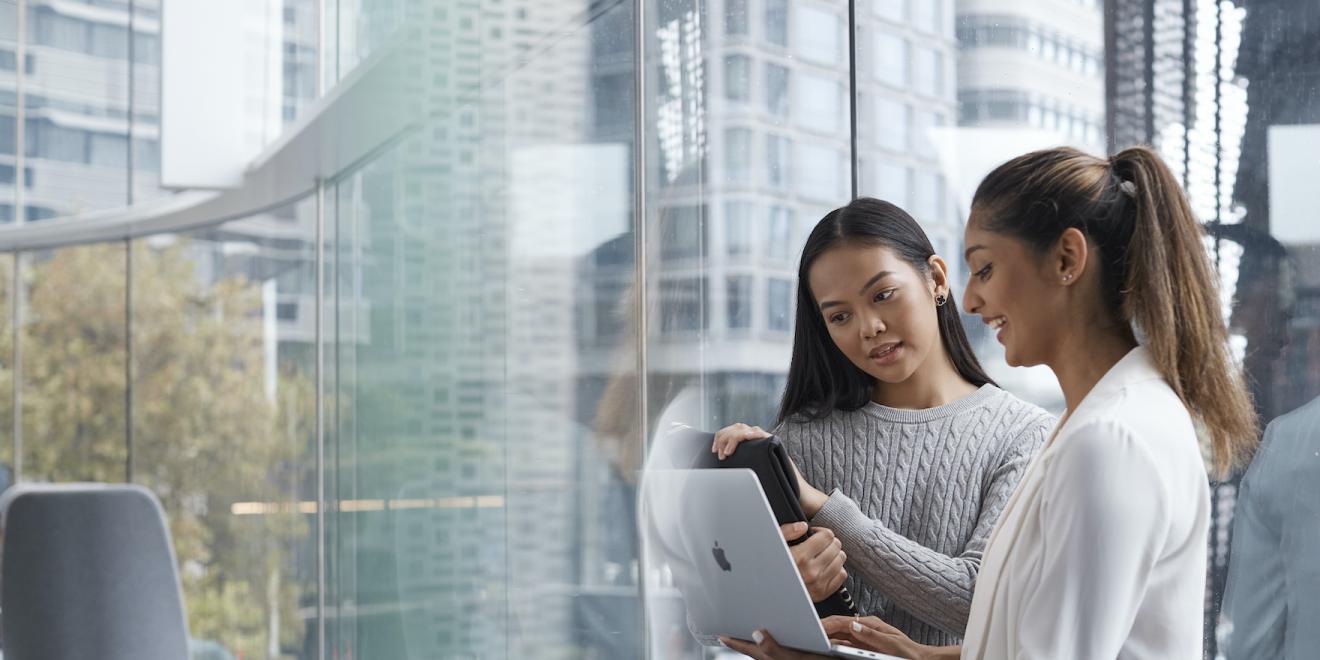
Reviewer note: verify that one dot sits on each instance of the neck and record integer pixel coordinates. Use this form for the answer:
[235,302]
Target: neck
[935,383]
[1086,355]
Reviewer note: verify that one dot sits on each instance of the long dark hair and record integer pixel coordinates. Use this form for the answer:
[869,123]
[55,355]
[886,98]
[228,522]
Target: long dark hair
[1155,273]
[821,378]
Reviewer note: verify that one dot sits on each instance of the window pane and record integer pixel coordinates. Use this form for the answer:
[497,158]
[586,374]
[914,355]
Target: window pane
[819,103]
[683,234]
[927,15]
[682,306]
[776,22]
[738,155]
[822,173]
[780,294]
[737,78]
[776,90]
[891,59]
[738,228]
[893,181]
[735,17]
[891,123]
[780,243]
[894,10]
[109,41]
[929,71]
[818,33]
[108,150]
[740,302]
[778,161]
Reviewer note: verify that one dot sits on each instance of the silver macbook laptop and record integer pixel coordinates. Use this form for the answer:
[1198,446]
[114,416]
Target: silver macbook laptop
[713,533]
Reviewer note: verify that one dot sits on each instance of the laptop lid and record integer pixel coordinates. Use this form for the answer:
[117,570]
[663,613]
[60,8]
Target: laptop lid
[713,534]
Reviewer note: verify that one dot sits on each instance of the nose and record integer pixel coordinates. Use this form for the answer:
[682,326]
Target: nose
[872,326]
[971,301]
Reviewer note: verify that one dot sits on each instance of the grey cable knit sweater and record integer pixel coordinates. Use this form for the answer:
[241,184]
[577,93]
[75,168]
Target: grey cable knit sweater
[914,497]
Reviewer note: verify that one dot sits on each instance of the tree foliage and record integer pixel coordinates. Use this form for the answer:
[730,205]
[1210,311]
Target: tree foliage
[207,430]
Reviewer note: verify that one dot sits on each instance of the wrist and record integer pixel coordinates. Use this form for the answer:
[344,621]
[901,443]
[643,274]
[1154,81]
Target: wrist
[921,652]
[813,501]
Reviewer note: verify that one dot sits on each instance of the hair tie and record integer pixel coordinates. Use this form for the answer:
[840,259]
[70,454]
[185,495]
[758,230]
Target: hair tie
[1129,188]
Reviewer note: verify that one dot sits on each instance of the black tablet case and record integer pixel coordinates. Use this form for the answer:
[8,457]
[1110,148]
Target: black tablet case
[769,460]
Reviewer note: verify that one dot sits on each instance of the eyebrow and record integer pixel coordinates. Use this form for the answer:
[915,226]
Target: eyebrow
[968,254]
[869,283]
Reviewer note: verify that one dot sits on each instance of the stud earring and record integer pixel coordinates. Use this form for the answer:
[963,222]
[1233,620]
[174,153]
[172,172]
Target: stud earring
[1068,277]
[940,299]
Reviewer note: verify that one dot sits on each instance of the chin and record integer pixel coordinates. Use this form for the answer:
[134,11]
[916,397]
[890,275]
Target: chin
[1011,358]
[895,374]
[1014,359]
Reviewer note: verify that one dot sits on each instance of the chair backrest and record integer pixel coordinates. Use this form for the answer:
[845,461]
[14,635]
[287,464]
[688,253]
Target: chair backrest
[88,571]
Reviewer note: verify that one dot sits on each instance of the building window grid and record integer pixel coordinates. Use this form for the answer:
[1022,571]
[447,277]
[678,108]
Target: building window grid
[1007,32]
[977,106]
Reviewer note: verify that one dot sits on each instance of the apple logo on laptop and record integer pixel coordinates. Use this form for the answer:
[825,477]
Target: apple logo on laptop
[720,558]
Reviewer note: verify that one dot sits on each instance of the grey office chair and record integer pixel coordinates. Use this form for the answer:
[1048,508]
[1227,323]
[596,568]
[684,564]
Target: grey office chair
[88,571]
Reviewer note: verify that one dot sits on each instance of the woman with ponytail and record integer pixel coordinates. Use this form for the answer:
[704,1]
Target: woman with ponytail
[1096,268]
[907,451]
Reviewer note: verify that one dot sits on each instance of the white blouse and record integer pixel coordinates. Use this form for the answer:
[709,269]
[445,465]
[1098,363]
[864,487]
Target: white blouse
[1101,551]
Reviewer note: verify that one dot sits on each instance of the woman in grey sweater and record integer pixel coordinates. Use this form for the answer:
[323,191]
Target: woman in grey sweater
[906,450]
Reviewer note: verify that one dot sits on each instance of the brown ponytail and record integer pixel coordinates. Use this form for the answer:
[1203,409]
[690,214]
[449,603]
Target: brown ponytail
[1155,272]
[1173,298]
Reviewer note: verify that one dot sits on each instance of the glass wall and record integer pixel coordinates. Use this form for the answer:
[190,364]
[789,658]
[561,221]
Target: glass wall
[403,416]
[224,423]
[482,278]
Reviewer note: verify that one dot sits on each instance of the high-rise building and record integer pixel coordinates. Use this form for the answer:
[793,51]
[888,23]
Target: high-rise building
[1036,64]
[91,88]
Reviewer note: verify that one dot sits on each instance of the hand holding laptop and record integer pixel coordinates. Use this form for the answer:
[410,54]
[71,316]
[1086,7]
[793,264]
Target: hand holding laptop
[868,633]
[766,648]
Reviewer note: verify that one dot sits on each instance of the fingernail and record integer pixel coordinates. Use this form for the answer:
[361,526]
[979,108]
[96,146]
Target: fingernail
[857,626]
[758,637]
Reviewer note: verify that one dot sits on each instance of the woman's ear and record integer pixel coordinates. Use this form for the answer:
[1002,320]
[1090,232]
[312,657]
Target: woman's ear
[939,275]
[1071,253]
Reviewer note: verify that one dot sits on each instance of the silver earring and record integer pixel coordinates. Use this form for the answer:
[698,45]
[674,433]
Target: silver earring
[940,300]
[1068,277]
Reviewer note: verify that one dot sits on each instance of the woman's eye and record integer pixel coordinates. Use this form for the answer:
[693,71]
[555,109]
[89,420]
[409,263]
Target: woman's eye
[838,318]
[984,273]
[884,295]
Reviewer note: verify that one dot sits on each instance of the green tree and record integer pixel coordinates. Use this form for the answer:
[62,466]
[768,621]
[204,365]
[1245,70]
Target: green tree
[207,433]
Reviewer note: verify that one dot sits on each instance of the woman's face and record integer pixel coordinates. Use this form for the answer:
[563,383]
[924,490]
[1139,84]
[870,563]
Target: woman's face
[1011,291]
[880,311]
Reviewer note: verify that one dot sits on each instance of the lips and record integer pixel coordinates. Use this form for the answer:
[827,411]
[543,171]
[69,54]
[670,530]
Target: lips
[885,353]
[997,323]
